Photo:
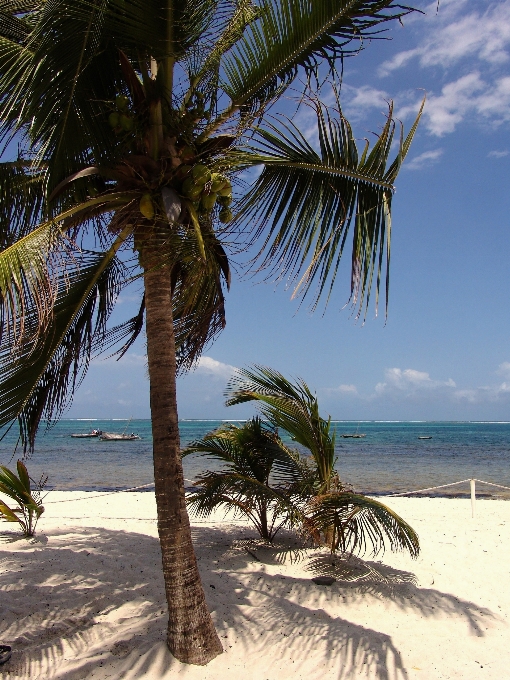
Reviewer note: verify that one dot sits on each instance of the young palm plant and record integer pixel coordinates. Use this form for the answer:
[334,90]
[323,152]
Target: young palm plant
[257,477]
[331,513]
[17,488]
[133,121]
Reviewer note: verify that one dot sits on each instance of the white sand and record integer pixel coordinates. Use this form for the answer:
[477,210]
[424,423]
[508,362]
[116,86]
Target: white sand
[86,600]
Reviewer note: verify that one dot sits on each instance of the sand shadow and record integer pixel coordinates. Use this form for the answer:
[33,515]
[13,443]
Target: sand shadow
[96,598]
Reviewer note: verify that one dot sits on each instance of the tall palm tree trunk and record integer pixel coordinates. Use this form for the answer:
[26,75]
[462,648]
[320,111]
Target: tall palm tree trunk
[191,634]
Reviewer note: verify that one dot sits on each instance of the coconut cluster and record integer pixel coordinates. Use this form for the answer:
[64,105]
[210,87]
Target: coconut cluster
[120,119]
[205,188]
[202,187]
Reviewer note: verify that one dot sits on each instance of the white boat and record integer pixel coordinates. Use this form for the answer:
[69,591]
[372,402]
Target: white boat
[117,436]
[88,435]
[428,437]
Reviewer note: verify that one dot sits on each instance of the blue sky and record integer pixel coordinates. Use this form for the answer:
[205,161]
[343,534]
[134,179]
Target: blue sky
[444,351]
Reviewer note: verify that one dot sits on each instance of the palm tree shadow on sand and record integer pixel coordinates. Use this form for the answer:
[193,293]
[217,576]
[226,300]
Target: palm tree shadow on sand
[92,597]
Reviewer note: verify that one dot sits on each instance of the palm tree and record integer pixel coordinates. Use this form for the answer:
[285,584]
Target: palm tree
[257,476]
[132,119]
[347,521]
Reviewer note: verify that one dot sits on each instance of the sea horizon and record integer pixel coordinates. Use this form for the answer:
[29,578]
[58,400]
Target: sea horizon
[333,420]
[393,457]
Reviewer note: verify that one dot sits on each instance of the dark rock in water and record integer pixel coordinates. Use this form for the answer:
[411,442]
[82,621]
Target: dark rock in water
[324,580]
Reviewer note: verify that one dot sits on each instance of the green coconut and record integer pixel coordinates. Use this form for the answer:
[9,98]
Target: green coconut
[147,206]
[227,189]
[201,174]
[225,201]
[208,200]
[217,181]
[121,101]
[191,189]
[126,122]
[114,119]
[225,215]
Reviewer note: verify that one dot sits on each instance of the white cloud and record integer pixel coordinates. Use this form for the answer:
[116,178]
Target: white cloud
[361,99]
[445,111]
[470,96]
[468,35]
[450,35]
[424,160]
[400,385]
[501,153]
[409,380]
[216,369]
[488,393]
[342,389]
[504,369]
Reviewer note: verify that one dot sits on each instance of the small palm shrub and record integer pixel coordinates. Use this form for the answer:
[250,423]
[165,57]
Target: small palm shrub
[17,487]
[259,476]
[330,513]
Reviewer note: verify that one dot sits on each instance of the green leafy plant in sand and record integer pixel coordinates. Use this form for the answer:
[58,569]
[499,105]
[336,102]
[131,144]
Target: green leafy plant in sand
[18,488]
[257,477]
[327,511]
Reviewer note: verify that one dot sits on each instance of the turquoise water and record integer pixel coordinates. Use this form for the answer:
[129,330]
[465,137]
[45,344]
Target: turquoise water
[390,458]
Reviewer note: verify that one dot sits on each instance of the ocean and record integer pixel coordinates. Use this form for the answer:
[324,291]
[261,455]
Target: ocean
[389,459]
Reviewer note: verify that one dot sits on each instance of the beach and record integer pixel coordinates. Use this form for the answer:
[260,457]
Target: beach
[85,597]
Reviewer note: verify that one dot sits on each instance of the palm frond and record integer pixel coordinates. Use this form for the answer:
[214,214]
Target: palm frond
[27,283]
[290,34]
[259,477]
[253,449]
[127,332]
[290,406]
[245,12]
[306,202]
[359,524]
[198,298]
[39,377]
[22,191]
[12,27]
[19,490]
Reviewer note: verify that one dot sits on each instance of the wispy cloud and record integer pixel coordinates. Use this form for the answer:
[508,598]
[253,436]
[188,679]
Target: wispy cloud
[411,384]
[452,35]
[501,153]
[504,369]
[424,160]
[474,37]
[348,390]
[409,380]
[469,97]
[214,368]
[491,393]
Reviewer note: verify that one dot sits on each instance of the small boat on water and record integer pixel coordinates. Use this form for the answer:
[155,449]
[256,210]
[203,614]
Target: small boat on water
[118,437]
[428,437]
[354,435]
[88,435]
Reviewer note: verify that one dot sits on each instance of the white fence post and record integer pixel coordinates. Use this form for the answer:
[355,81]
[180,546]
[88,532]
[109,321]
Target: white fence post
[473,496]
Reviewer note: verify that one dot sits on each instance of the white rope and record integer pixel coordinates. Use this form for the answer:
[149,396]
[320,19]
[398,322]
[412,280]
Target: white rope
[431,488]
[443,486]
[106,493]
[491,484]
[391,495]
